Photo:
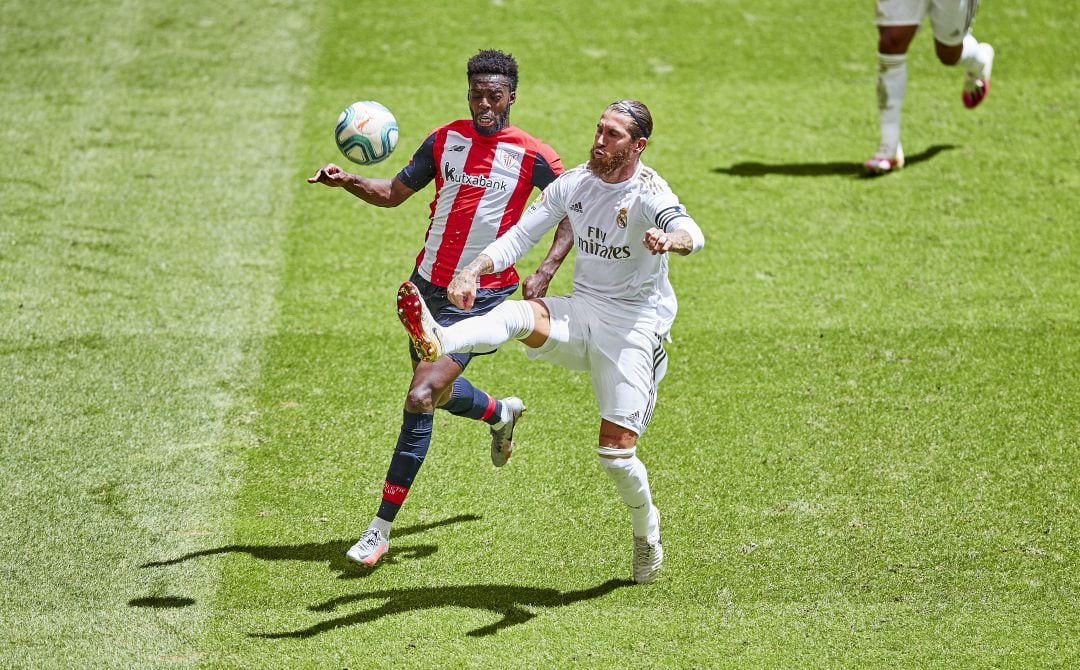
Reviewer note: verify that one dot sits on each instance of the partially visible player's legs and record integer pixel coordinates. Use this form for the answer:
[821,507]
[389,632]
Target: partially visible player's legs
[954,43]
[627,365]
[512,319]
[412,446]
[502,415]
[525,320]
[617,455]
[893,42]
[434,383]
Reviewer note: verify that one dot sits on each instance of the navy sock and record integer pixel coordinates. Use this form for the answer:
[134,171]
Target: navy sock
[469,401]
[412,446]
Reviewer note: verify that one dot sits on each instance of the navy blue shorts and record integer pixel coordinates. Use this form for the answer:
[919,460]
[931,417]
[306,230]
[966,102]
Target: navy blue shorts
[446,313]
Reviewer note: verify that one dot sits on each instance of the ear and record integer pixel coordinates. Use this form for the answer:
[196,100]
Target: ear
[513,98]
[639,145]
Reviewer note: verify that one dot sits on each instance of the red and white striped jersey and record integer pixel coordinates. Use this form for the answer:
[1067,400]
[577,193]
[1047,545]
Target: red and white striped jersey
[482,184]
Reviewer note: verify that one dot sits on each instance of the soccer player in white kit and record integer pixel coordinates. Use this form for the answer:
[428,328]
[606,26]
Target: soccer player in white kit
[898,21]
[625,221]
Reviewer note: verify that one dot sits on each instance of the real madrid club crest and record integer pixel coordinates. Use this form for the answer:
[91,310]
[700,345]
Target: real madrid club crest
[620,219]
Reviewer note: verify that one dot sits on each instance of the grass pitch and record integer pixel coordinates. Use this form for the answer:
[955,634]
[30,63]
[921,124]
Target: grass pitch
[865,448]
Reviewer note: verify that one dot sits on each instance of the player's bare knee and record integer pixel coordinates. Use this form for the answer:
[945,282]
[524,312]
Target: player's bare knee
[948,55]
[421,397]
[895,39]
[616,441]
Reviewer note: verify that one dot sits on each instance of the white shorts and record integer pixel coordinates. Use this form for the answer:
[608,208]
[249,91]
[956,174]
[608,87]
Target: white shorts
[950,19]
[627,361]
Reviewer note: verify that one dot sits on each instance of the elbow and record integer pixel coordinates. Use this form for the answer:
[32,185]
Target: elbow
[392,200]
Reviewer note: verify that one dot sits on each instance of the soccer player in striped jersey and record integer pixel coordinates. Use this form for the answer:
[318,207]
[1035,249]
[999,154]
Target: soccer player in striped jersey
[625,221]
[484,171]
[898,21]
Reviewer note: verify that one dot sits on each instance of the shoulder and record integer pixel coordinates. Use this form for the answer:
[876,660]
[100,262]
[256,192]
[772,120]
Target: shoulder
[651,184]
[574,177]
[516,135]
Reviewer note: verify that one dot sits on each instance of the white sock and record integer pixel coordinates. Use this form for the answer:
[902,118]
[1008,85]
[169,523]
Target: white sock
[381,525]
[511,320]
[504,417]
[972,56]
[891,82]
[632,482]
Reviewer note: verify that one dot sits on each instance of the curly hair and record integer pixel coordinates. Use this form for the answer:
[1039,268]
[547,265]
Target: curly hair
[490,61]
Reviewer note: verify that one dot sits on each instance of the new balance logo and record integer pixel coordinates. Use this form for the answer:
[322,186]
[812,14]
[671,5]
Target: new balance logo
[576,207]
[456,147]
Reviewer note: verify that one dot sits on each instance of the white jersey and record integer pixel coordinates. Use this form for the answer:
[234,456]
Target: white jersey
[612,268]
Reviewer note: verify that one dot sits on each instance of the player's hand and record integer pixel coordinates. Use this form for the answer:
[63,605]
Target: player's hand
[536,285]
[329,174]
[462,290]
[657,241]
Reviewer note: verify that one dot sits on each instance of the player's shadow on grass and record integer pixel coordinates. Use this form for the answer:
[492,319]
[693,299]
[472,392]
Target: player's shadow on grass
[831,169]
[332,551]
[507,602]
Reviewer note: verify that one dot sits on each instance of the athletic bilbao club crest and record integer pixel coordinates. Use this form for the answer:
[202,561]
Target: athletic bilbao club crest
[620,220]
[507,159]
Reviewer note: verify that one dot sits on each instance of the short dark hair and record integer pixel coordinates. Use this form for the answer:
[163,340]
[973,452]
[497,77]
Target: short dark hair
[636,110]
[490,61]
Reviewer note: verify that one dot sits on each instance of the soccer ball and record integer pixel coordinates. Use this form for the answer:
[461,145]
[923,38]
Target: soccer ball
[366,132]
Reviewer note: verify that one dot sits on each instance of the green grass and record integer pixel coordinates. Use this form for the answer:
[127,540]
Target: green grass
[865,448]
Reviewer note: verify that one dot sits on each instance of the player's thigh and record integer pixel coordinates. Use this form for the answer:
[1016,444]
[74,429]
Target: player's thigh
[568,334]
[951,20]
[626,369]
[900,12]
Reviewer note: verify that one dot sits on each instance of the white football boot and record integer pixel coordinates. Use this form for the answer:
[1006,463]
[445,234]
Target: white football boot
[648,554]
[977,84]
[369,548]
[502,444]
[883,163]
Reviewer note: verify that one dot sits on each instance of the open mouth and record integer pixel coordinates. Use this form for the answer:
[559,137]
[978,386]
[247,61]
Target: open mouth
[485,120]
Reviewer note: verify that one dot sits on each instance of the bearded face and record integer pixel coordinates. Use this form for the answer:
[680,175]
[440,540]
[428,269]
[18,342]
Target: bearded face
[603,163]
[614,148]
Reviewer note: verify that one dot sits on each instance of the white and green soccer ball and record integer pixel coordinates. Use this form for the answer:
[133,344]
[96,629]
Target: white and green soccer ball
[366,132]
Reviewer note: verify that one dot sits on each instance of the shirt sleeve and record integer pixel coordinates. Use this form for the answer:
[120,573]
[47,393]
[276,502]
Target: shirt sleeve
[421,169]
[542,215]
[547,167]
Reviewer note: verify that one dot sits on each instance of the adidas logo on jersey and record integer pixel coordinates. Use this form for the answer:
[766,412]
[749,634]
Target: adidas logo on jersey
[634,417]
[576,207]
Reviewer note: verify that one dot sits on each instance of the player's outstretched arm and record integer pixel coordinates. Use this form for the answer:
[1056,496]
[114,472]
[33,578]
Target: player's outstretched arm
[378,192]
[536,284]
[462,289]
